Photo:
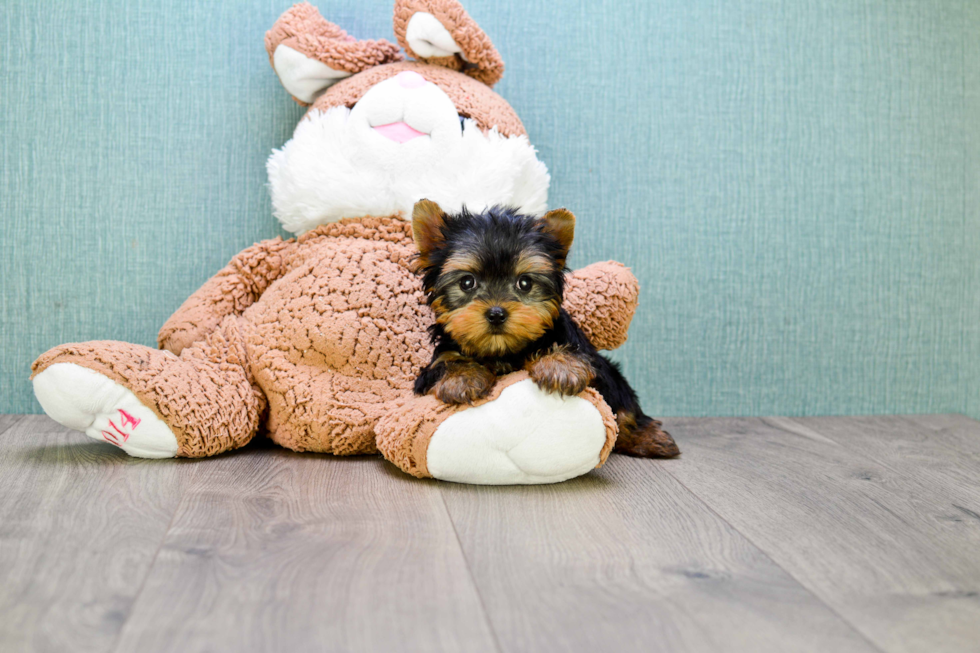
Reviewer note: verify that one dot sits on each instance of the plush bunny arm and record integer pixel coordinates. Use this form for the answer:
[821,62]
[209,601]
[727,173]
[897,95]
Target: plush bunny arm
[229,292]
[602,298]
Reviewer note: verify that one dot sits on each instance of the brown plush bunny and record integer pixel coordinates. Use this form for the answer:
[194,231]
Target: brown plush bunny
[316,340]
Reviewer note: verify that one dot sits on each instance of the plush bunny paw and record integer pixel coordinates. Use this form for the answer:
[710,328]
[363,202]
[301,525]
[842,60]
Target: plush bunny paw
[524,436]
[87,401]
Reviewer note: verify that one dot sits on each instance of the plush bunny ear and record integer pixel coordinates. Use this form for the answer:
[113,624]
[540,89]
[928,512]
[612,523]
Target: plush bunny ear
[310,53]
[440,32]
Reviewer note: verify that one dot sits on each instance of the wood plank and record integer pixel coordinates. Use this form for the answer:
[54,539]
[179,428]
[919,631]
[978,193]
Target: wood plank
[957,432]
[7,421]
[80,523]
[272,550]
[939,455]
[625,558]
[874,545]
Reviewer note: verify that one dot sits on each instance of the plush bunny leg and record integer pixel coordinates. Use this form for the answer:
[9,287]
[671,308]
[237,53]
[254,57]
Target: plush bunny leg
[518,435]
[152,403]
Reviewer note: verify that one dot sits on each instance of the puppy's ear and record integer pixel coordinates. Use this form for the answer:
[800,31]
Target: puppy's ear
[560,224]
[427,223]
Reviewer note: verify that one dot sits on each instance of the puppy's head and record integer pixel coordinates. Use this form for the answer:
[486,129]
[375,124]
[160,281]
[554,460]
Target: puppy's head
[494,279]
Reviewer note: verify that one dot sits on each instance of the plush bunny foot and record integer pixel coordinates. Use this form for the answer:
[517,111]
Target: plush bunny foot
[87,401]
[525,436]
[519,435]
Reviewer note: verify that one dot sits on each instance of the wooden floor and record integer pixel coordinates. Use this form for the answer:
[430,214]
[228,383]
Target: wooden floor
[775,534]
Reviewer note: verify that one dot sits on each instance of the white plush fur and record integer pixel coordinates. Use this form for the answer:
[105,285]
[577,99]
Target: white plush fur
[77,397]
[525,437]
[429,38]
[336,165]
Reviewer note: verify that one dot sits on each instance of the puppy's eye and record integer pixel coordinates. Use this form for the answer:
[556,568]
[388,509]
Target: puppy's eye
[524,284]
[467,283]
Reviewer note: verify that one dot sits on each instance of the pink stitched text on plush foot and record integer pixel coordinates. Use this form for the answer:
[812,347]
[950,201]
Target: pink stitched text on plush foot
[118,436]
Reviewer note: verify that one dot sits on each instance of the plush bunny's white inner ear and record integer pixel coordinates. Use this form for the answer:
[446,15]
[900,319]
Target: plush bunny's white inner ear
[429,38]
[303,77]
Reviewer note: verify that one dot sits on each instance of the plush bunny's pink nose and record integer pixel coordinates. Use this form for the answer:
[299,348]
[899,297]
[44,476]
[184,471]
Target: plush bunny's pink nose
[409,79]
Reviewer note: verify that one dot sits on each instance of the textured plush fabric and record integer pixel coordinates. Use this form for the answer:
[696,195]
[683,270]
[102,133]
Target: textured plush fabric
[405,430]
[478,51]
[207,396]
[233,289]
[328,331]
[304,29]
[601,296]
[473,98]
[796,186]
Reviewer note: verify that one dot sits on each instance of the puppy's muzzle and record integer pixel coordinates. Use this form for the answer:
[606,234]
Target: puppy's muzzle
[496,315]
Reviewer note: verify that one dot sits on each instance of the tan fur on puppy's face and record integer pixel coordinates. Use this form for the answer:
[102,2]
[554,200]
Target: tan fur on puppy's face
[527,320]
[468,326]
[493,279]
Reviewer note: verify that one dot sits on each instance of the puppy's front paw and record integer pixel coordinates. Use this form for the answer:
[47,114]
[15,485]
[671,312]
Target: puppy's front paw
[562,372]
[464,383]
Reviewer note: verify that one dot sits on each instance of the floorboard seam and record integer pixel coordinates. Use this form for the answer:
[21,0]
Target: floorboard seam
[765,553]
[469,572]
[149,570]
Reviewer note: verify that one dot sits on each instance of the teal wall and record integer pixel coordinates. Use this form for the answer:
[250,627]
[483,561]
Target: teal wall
[796,184]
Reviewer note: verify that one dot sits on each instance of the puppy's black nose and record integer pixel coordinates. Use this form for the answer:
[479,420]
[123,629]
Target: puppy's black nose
[497,315]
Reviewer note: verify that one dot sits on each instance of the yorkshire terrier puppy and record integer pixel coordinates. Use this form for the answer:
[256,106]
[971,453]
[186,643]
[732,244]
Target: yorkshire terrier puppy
[495,281]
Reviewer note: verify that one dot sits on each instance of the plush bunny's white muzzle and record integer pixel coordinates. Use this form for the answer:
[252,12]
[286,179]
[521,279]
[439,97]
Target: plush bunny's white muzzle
[405,108]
